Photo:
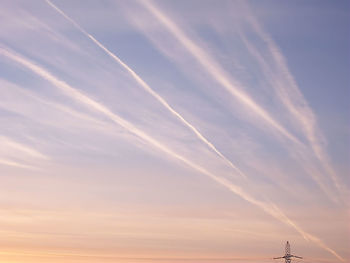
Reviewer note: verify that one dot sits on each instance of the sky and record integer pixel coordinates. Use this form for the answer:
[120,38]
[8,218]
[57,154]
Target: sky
[174,131]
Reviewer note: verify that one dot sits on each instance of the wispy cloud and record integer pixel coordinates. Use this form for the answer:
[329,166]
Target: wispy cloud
[85,100]
[147,88]
[17,97]
[7,142]
[16,164]
[213,68]
[13,153]
[282,80]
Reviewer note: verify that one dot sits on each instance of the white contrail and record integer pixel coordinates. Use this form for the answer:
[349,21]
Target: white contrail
[80,97]
[210,65]
[147,88]
[5,141]
[16,164]
[292,98]
[302,150]
[215,70]
[57,106]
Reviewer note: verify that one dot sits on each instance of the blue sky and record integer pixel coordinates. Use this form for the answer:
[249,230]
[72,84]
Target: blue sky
[183,131]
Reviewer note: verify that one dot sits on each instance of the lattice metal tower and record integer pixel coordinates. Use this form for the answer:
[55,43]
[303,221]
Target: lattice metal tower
[287,256]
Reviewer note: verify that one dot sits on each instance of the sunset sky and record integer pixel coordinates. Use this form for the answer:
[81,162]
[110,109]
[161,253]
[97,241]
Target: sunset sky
[174,131]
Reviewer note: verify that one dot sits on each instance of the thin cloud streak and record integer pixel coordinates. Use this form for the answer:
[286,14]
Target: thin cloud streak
[22,152]
[7,142]
[79,118]
[59,107]
[292,98]
[147,88]
[302,149]
[39,100]
[211,66]
[16,164]
[80,97]
[214,70]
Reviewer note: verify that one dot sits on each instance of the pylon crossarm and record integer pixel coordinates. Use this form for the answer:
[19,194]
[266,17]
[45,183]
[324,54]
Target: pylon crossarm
[288,256]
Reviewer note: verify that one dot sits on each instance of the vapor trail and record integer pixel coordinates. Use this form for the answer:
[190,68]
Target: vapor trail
[80,97]
[16,164]
[215,70]
[5,141]
[302,148]
[291,97]
[211,66]
[8,145]
[97,123]
[147,88]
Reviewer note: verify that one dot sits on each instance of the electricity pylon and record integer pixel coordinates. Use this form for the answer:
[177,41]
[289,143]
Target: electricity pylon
[287,256]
